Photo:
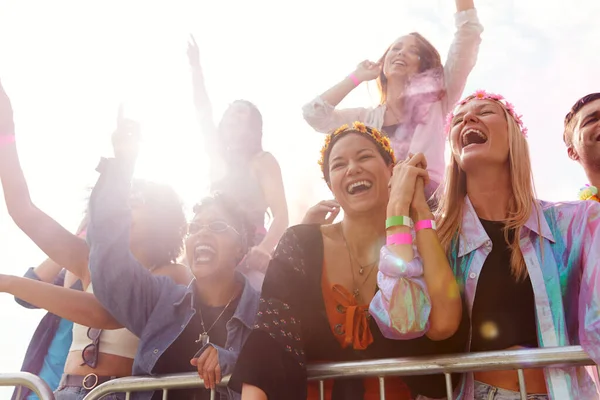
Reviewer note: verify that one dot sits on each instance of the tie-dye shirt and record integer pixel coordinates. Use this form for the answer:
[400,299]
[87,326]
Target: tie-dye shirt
[561,246]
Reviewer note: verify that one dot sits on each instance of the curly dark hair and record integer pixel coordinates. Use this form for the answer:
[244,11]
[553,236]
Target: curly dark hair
[168,221]
[239,218]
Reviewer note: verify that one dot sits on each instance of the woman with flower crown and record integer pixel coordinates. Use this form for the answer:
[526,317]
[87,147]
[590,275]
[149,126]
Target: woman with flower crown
[315,298]
[416,92]
[530,268]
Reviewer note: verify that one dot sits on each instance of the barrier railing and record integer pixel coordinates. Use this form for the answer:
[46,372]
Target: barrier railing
[445,364]
[30,381]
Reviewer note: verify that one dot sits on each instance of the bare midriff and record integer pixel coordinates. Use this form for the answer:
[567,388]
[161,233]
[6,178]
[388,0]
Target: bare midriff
[108,365]
[509,380]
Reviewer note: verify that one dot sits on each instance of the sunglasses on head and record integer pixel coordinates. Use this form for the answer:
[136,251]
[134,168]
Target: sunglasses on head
[214,226]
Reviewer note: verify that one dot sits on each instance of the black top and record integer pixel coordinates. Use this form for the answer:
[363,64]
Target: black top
[504,308]
[292,330]
[176,359]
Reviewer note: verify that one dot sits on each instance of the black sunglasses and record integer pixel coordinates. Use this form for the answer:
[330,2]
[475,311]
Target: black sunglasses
[89,355]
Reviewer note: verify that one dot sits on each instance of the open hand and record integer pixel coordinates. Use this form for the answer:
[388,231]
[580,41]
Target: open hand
[7,124]
[208,367]
[323,213]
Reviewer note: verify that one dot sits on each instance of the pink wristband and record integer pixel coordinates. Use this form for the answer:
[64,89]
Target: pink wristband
[399,238]
[6,139]
[425,224]
[354,79]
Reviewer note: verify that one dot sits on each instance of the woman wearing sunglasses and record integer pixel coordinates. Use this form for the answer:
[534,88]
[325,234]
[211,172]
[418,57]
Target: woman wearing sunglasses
[201,327]
[94,356]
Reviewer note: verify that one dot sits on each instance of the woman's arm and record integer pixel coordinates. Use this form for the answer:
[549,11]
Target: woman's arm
[66,249]
[444,293]
[463,52]
[73,305]
[321,113]
[271,182]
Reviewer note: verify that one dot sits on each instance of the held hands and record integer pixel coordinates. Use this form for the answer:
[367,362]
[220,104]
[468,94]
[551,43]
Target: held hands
[323,213]
[407,185]
[126,138]
[7,124]
[367,71]
[193,52]
[208,367]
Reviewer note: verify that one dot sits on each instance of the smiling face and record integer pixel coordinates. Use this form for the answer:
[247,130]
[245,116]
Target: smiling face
[358,174]
[585,137]
[479,135]
[214,245]
[402,58]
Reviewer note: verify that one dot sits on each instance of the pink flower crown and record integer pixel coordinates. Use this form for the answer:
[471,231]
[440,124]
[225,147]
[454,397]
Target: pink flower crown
[483,95]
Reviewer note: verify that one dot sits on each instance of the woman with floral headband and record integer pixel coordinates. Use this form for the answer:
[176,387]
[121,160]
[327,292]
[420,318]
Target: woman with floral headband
[316,295]
[241,169]
[416,92]
[530,269]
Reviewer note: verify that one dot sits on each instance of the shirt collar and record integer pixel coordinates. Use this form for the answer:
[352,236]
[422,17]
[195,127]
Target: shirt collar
[247,307]
[473,234]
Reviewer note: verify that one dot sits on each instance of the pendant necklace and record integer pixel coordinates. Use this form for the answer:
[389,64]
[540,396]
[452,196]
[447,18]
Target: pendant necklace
[361,270]
[203,337]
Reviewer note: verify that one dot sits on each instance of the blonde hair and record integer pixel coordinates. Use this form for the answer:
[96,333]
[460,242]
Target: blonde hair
[452,199]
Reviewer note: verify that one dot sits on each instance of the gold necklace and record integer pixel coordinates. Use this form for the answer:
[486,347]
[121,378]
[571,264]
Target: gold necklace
[203,337]
[361,271]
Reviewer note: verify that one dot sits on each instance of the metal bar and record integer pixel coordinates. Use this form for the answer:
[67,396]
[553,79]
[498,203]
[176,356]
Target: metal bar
[30,381]
[128,396]
[522,385]
[165,394]
[381,388]
[212,394]
[489,361]
[449,391]
[321,390]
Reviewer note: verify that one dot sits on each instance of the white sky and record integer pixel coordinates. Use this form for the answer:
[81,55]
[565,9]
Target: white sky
[67,65]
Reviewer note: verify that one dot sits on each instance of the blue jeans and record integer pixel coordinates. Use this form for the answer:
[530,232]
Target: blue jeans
[484,391]
[78,393]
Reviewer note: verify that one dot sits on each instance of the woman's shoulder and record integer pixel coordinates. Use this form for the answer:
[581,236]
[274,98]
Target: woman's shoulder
[300,246]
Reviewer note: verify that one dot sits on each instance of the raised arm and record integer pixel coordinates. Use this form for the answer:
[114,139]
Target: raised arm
[463,52]
[124,287]
[66,249]
[74,305]
[321,113]
[204,111]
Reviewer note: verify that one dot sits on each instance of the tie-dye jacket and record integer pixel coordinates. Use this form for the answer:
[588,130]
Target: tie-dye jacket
[561,246]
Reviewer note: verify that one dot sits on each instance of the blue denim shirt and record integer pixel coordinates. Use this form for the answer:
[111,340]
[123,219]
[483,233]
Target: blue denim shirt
[154,308]
[37,351]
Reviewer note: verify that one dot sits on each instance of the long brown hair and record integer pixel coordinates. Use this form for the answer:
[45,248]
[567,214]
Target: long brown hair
[429,59]
[449,214]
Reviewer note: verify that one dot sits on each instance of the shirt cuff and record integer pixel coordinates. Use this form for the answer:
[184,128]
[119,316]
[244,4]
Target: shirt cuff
[464,17]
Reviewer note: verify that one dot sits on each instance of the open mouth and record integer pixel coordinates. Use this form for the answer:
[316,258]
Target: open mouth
[399,62]
[359,187]
[473,136]
[204,253]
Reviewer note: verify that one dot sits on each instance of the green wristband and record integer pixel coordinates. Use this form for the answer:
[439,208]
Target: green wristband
[398,220]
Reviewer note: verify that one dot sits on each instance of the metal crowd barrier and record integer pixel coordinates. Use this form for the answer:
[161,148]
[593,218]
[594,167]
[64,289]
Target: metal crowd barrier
[445,364]
[30,381]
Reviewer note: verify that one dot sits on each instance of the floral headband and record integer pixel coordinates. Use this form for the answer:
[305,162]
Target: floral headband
[483,95]
[382,141]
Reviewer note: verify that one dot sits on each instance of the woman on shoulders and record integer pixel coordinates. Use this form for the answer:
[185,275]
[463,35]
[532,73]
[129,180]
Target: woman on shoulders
[241,169]
[416,92]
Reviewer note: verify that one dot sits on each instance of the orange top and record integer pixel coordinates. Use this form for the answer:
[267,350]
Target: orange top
[349,323]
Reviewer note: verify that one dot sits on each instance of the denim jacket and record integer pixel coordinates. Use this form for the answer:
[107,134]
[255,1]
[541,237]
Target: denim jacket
[43,335]
[154,308]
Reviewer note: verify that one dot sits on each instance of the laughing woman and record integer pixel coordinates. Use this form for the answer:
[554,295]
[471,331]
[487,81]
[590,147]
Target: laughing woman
[315,299]
[201,327]
[530,268]
[416,92]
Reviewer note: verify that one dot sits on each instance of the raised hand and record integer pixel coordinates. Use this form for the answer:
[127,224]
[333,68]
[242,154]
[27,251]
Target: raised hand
[193,52]
[7,124]
[126,138]
[367,71]
[323,213]
[404,181]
